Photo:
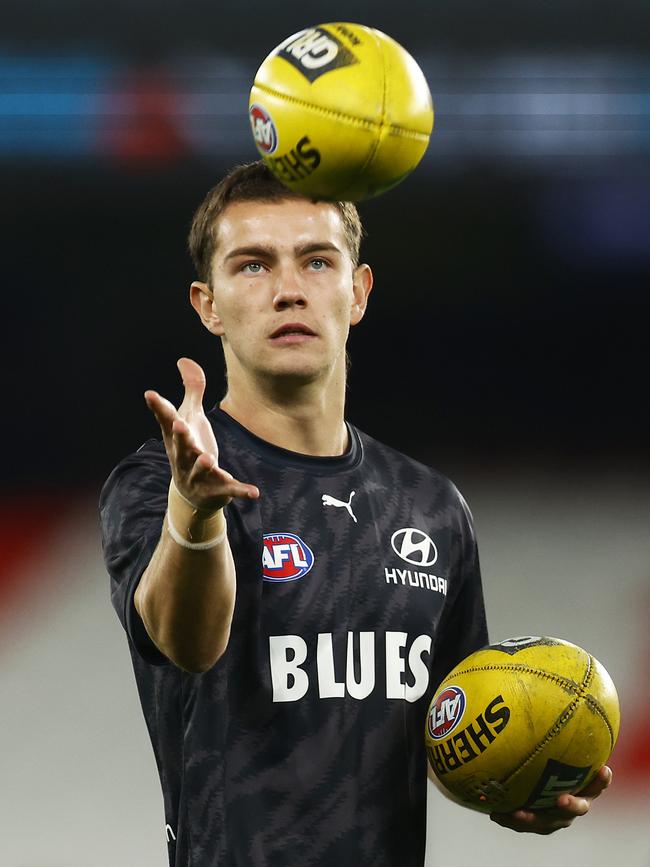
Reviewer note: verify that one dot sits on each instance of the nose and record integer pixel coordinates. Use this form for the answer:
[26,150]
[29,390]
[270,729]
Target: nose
[288,291]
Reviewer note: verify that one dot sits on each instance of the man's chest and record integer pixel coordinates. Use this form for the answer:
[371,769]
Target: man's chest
[351,556]
[346,579]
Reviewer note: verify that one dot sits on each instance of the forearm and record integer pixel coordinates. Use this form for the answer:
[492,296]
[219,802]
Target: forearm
[186,600]
[186,596]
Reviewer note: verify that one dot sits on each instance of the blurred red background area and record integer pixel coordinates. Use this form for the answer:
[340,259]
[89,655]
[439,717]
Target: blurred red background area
[28,524]
[140,125]
[631,759]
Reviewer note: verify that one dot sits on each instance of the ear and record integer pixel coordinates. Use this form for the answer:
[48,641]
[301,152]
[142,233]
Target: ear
[362,281]
[202,300]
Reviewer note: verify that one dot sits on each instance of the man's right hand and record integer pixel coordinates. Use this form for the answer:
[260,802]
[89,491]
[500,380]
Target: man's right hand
[191,445]
[186,595]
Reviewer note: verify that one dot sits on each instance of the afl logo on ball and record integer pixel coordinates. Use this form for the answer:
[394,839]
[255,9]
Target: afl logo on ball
[263,128]
[285,557]
[446,712]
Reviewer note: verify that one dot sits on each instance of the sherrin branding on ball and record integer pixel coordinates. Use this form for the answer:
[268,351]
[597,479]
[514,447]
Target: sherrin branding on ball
[519,723]
[340,112]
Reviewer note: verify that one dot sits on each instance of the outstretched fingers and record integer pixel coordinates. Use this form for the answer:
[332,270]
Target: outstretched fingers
[180,442]
[163,410]
[194,383]
[191,447]
[186,448]
[207,474]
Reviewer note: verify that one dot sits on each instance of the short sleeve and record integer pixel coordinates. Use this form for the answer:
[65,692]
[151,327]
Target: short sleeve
[132,507]
[463,628]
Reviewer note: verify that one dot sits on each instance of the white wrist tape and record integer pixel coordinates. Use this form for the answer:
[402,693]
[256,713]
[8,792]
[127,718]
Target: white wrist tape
[192,527]
[195,546]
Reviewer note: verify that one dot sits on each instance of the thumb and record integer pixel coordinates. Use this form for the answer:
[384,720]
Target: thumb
[194,382]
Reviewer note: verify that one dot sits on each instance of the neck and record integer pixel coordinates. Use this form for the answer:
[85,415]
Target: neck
[305,418]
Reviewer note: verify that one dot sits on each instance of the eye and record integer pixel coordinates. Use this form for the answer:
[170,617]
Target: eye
[318,264]
[252,267]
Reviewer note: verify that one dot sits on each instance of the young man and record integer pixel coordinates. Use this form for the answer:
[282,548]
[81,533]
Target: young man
[292,590]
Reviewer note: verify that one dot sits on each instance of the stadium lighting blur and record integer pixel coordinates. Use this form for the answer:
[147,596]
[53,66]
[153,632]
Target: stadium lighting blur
[509,109]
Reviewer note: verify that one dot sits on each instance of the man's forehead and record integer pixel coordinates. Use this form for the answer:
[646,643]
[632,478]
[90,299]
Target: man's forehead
[289,222]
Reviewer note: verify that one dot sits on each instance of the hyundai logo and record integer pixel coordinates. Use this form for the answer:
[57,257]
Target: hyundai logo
[414,546]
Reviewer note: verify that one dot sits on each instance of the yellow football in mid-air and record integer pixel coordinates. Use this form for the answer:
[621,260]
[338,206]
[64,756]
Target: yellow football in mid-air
[340,112]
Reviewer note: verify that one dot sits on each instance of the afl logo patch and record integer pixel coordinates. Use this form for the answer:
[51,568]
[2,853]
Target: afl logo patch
[285,557]
[264,130]
[446,712]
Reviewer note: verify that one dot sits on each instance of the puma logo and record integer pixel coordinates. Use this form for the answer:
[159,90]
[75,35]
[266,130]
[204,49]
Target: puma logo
[332,501]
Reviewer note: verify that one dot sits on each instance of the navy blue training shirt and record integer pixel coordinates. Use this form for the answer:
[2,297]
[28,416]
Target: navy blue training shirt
[358,589]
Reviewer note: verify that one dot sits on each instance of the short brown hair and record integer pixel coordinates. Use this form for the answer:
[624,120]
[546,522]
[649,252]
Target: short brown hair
[245,183]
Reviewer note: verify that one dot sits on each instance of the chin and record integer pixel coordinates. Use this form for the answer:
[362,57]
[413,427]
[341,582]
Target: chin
[297,376]
[295,372]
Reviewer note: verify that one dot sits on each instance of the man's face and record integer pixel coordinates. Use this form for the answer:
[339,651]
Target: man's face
[285,290]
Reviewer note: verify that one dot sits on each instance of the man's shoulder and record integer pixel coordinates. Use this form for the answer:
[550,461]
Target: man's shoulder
[149,457]
[147,468]
[427,486]
[376,451]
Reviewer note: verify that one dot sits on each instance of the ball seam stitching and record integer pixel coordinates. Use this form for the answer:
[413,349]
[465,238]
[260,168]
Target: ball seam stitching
[558,725]
[598,709]
[348,118]
[535,671]
[382,126]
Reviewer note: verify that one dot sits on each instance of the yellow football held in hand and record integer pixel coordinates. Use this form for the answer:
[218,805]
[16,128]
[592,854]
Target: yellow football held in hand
[340,112]
[521,722]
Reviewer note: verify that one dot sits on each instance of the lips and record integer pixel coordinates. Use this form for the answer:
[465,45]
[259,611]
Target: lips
[293,328]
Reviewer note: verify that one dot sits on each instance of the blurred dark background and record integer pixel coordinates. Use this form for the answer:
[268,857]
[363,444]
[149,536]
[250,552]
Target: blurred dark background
[510,315]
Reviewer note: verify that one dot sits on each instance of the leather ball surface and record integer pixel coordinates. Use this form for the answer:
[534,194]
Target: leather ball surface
[340,111]
[518,723]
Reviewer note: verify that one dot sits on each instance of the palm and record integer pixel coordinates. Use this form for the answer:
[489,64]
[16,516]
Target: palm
[191,409]
[191,445]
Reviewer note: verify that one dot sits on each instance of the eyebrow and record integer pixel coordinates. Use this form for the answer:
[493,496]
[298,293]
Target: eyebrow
[270,252]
